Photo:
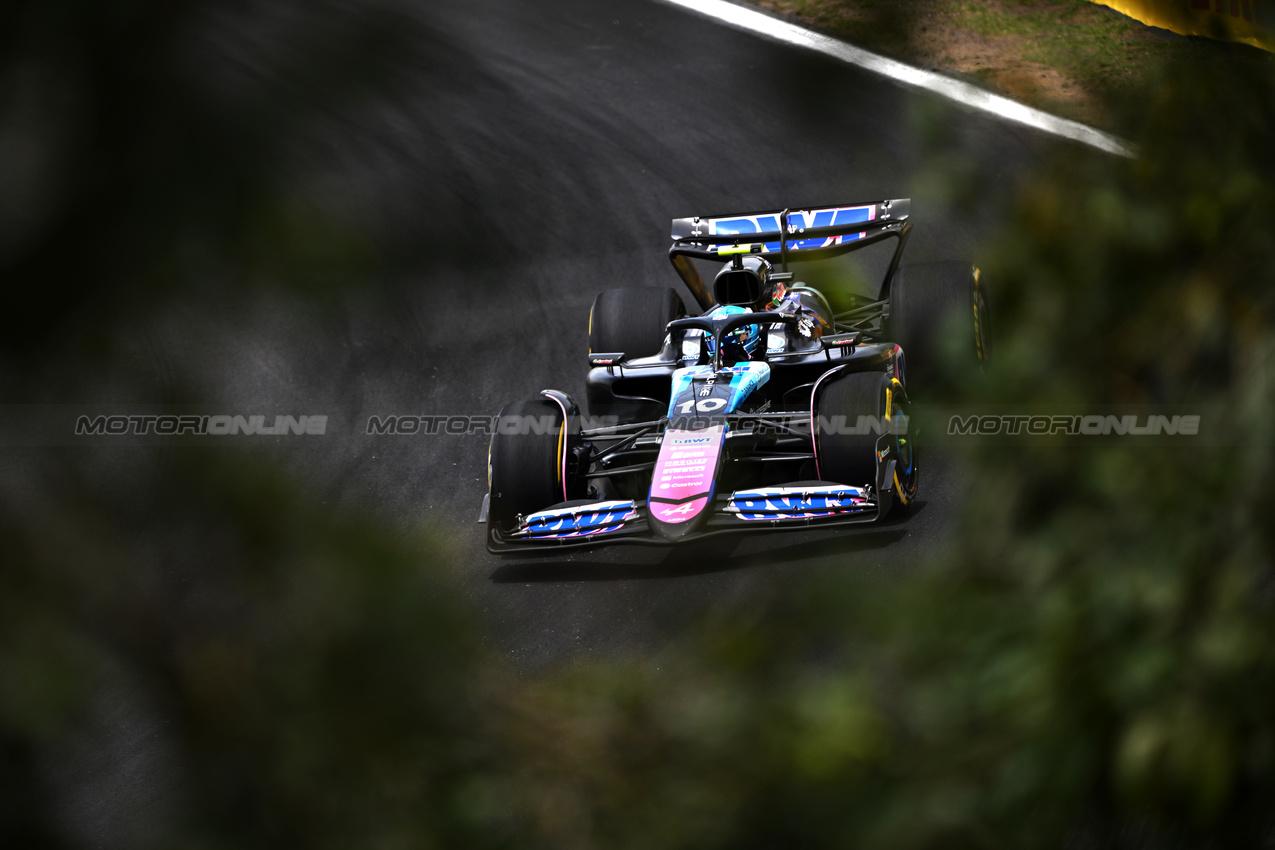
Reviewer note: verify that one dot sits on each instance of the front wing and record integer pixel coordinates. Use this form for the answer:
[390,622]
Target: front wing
[791,507]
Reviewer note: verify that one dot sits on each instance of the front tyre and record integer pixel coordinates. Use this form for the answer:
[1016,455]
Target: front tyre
[853,412]
[526,462]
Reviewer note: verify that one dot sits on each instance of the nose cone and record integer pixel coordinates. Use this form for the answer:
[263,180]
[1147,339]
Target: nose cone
[682,486]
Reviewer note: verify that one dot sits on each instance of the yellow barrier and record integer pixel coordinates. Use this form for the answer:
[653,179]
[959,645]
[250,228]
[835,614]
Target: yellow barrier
[1229,20]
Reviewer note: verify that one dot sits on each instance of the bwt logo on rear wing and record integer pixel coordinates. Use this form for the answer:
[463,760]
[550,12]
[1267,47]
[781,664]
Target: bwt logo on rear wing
[847,223]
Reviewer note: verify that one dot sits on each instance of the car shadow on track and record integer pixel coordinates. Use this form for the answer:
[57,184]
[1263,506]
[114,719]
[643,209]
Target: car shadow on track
[706,556]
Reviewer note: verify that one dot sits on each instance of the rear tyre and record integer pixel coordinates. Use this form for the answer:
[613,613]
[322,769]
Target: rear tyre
[525,463]
[939,317]
[850,458]
[632,320]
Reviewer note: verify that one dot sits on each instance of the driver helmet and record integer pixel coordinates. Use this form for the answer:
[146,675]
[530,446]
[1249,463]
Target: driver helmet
[748,336]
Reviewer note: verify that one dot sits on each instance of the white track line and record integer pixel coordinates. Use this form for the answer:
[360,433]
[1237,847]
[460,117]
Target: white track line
[753,21]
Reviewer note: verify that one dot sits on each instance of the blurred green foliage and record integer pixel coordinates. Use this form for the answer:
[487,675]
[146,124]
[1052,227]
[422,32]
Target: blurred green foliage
[1088,662]
[305,683]
[194,650]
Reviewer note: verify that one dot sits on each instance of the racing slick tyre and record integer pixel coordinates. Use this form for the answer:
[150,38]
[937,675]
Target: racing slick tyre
[939,317]
[850,458]
[632,320]
[524,467]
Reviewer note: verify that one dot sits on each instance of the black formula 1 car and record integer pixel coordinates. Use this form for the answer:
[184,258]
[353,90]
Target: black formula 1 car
[767,411]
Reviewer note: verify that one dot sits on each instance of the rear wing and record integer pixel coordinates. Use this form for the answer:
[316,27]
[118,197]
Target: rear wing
[816,233]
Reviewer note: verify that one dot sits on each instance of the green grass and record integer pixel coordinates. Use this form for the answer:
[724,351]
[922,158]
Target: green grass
[1073,57]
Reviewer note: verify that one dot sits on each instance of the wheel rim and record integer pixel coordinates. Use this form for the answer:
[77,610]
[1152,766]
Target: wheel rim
[982,348]
[904,449]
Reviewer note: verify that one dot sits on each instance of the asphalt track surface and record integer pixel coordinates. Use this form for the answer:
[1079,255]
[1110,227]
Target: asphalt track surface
[536,159]
[578,130]
[560,138]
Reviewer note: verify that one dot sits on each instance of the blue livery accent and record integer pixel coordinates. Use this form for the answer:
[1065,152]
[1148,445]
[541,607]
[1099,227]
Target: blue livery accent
[779,503]
[580,520]
[801,219]
[726,389]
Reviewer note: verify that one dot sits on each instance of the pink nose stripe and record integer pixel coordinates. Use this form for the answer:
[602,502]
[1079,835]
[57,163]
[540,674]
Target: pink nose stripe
[665,512]
[685,467]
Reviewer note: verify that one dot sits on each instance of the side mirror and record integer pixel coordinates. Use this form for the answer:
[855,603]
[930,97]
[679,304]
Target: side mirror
[602,358]
[845,342]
